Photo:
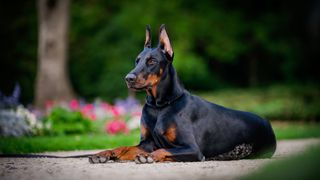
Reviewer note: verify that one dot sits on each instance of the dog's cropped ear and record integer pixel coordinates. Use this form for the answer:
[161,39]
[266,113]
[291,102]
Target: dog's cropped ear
[147,43]
[164,42]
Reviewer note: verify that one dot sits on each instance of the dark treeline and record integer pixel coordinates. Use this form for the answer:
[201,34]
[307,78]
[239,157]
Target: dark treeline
[217,44]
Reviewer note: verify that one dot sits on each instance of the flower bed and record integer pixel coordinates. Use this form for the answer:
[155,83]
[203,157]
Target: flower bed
[74,117]
[120,117]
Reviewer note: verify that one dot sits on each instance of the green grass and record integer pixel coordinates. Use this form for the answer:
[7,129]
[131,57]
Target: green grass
[70,142]
[283,130]
[303,166]
[277,102]
[296,130]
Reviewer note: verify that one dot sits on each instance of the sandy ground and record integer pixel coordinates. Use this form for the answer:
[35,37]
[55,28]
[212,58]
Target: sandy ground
[69,169]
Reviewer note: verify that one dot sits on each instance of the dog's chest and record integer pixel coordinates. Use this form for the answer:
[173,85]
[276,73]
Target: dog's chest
[162,128]
[163,135]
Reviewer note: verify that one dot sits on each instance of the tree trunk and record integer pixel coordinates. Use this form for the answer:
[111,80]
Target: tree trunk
[52,81]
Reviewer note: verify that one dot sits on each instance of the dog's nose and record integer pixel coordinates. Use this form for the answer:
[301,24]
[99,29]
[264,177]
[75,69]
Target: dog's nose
[131,78]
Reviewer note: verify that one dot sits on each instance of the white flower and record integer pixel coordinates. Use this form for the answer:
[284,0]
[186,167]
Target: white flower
[134,122]
[18,122]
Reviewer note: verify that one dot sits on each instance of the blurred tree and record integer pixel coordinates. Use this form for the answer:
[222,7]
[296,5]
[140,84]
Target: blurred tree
[217,44]
[52,77]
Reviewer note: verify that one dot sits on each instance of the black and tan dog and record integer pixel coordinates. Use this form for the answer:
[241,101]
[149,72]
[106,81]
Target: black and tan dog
[179,126]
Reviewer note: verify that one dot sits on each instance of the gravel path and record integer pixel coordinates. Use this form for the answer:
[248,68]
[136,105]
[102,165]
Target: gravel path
[69,169]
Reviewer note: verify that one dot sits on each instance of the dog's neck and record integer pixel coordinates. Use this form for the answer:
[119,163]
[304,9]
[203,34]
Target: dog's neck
[168,90]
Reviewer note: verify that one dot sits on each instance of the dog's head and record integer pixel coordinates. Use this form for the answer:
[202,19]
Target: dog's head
[151,63]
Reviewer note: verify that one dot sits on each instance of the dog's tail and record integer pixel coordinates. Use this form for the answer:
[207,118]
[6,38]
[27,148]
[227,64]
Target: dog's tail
[41,156]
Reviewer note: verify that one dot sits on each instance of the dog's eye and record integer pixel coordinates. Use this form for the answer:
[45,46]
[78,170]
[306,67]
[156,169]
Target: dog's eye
[151,61]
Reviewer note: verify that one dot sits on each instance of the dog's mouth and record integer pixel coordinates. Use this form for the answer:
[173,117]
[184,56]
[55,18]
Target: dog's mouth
[137,86]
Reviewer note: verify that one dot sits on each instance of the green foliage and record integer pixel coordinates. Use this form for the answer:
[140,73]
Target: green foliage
[274,102]
[214,43]
[192,70]
[207,40]
[62,121]
[303,166]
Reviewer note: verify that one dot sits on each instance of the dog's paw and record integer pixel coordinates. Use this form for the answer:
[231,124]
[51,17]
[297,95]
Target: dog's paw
[143,159]
[98,159]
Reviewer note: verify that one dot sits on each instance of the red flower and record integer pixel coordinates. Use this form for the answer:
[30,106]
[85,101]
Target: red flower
[117,126]
[115,111]
[74,105]
[49,104]
[106,106]
[92,116]
[88,112]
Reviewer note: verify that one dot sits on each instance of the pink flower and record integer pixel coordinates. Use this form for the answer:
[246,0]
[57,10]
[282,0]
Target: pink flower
[115,111]
[89,107]
[84,112]
[88,112]
[137,113]
[117,126]
[92,116]
[105,106]
[74,105]
[49,104]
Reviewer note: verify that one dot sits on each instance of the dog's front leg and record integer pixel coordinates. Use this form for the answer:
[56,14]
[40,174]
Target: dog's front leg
[172,155]
[122,153]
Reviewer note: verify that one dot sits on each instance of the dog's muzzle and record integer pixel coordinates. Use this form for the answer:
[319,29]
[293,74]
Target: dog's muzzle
[130,79]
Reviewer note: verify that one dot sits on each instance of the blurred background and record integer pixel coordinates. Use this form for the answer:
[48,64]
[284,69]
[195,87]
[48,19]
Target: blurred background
[63,63]
[217,44]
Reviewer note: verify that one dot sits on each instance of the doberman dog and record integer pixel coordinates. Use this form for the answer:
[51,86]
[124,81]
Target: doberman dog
[179,126]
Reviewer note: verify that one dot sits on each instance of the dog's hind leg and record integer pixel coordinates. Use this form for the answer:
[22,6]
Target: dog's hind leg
[239,152]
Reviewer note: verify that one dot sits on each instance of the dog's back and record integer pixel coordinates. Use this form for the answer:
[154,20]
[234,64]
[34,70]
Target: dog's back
[221,130]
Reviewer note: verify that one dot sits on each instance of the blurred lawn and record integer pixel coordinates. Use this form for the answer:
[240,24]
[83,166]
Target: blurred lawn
[277,102]
[283,130]
[295,130]
[67,142]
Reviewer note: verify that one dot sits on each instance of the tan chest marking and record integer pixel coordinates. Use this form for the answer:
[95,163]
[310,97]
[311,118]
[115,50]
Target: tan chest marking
[144,131]
[171,133]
